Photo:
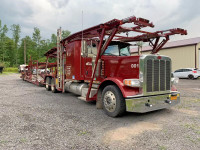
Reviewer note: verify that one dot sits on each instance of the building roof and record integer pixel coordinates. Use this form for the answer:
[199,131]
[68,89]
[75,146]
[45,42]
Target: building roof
[180,43]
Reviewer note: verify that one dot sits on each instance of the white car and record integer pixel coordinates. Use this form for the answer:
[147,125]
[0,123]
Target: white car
[22,67]
[191,73]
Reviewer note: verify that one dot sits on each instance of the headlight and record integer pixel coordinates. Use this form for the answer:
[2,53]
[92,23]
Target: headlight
[141,77]
[132,82]
[174,80]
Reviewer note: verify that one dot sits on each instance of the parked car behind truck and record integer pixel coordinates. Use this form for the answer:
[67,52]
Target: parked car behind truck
[96,65]
[190,73]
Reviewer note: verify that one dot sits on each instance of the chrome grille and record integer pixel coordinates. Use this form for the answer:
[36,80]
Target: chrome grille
[158,75]
[162,75]
[149,75]
[168,75]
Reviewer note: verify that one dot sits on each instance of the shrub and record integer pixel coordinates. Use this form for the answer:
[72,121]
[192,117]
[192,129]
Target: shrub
[10,69]
[2,64]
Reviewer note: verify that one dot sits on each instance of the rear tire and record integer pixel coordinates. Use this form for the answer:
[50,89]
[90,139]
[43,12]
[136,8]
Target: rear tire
[23,77]
[48,82]
[113,101]
[53,88]
[191,77]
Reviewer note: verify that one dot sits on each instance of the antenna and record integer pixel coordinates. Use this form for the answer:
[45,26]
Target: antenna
[82,25]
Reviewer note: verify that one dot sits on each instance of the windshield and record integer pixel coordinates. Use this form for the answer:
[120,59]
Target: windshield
[124,51]
[112,50]
[115,50]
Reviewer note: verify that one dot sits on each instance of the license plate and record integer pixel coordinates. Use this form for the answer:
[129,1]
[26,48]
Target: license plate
[173,97]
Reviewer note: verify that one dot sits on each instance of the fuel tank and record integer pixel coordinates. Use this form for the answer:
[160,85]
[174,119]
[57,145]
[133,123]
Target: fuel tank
[75,88]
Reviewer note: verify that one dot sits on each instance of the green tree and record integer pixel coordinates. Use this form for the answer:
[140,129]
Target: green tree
[12,49]
[53,38]
[16,30]
[65,33]
[3,31]
[30,50]
[9,52]
[36,38]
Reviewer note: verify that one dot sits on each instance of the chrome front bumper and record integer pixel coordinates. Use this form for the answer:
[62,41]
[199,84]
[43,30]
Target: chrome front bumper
[150,103]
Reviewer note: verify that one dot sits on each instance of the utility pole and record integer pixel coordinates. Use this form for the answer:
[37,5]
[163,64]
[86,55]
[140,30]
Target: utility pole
[25,51]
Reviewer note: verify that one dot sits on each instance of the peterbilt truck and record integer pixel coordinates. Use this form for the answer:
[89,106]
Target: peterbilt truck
[96,65]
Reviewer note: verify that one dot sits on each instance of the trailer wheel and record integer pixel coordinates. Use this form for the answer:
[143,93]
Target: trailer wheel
[48,82]
[113,101]
[53,88]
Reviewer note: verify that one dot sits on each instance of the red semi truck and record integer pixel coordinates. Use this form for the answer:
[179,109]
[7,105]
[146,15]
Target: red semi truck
[96,64]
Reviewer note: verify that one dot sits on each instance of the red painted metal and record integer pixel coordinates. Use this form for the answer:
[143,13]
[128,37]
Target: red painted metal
[73,61]
[121,66]
[126,91]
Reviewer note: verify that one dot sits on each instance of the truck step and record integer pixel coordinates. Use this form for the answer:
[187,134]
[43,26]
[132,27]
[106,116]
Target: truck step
[82,98]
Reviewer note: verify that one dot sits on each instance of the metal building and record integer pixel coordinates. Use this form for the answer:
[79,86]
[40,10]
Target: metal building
[184,53]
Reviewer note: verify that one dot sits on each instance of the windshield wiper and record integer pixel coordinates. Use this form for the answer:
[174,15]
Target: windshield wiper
[123,55]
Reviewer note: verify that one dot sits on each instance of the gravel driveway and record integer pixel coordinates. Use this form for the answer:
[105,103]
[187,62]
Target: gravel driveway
[33,118]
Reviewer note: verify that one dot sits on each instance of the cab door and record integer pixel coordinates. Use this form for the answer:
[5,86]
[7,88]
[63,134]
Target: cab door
[89,52]
[88,67]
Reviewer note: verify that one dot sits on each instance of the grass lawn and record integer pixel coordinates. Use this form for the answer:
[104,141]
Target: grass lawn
[9,70]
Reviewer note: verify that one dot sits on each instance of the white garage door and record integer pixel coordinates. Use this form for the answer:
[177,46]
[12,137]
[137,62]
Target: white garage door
[199,58]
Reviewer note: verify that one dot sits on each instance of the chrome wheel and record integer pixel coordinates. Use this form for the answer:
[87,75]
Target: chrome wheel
[110,101]
[46,85]
[52,87]
[48,81]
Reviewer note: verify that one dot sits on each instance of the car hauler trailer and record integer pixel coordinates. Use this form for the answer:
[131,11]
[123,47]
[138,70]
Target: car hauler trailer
[96,65]
[32,73]
[35,72]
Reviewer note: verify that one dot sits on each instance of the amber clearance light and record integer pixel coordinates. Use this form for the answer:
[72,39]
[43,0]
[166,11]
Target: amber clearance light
[132,82]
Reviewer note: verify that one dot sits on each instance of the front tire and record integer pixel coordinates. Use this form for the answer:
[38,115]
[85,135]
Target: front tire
[113,101]
[48,82]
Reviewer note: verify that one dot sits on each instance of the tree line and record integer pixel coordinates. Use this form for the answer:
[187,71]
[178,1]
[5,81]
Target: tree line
[12,48]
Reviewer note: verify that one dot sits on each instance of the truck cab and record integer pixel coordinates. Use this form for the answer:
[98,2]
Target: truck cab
[141,82]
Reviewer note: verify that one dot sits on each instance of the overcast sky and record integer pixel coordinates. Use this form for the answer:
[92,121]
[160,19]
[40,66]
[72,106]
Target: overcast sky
[48,15]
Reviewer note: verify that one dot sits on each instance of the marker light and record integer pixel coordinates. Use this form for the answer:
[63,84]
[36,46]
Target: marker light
[159,57]
[132,82]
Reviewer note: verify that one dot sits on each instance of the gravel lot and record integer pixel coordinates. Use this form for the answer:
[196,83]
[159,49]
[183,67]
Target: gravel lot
[33,118]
